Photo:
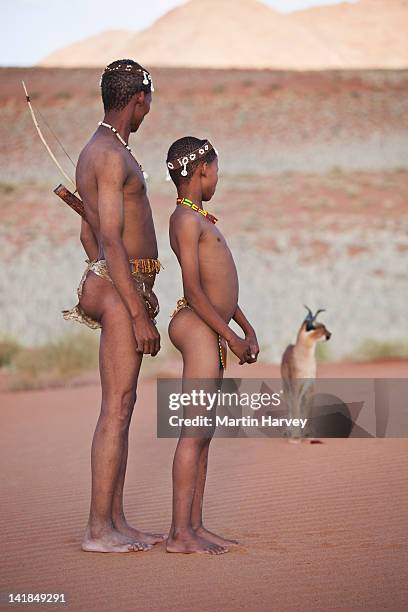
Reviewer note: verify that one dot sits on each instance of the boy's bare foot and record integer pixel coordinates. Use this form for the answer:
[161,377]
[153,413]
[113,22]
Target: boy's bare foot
[141,536]
[202,532]
[191,543]
[112,541]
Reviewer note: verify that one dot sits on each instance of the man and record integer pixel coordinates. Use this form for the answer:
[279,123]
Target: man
[116,294]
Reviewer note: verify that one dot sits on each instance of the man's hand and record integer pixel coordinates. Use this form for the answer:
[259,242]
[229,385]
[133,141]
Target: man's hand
[240,348]
[146,335]
[250,337]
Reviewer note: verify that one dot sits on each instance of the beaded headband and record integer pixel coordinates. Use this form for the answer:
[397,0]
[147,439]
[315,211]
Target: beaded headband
[181,162]
[147,79]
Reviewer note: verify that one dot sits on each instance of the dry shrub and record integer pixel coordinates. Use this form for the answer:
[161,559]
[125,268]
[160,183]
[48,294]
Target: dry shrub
[55,363]
[375,350]
[8,350]
[323,352]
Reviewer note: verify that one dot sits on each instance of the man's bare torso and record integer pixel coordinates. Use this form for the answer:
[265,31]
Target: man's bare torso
[139,236]
[218,273]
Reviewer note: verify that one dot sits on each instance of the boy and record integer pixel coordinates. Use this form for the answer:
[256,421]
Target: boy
[199,327]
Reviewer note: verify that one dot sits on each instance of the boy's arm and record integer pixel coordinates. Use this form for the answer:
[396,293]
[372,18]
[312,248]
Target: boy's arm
[88,240]
[249,332]
[110,207]
[187,233]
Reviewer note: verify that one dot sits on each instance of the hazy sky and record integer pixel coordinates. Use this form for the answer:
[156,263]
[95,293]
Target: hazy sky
[31,29]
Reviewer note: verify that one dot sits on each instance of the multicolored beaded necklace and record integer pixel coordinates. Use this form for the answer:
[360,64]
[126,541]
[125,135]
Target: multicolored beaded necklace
[119,137]
[193,206]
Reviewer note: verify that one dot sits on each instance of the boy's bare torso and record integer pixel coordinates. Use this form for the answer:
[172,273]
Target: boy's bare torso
[138,236]
[218,274]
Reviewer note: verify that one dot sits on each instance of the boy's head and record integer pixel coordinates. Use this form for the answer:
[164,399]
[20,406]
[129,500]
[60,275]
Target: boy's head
[191,159]
[125,82]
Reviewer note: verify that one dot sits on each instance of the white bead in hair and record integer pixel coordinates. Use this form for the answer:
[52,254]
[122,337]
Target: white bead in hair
[147,79]
[182,162]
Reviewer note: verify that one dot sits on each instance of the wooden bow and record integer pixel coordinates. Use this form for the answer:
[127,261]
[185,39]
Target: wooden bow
[62,192]
[37,127]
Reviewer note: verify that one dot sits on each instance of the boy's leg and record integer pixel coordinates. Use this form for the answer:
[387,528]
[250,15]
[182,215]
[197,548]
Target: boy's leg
[197,504]
[199,347]
[119,369]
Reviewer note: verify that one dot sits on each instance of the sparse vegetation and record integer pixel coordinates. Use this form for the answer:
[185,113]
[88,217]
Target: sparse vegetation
[54,363]
[8,350]
[6,187]
[374,350]
[323,353]
[285,181]
[63,95]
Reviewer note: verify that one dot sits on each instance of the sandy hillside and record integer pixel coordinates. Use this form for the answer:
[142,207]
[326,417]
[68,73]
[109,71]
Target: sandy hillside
[248,33]
[367,33]
[98,50]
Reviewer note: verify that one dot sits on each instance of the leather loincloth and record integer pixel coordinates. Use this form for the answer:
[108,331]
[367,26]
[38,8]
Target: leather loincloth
[142,270]
[222,344]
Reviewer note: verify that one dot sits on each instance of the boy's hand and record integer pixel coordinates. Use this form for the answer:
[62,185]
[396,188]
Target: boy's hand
[146,335]
[250,336]
[240,348]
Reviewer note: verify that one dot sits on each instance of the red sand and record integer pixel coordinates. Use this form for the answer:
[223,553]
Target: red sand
[322,527]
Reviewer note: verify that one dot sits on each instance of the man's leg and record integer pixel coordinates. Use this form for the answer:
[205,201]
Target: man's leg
[199,347]
[119,368]
[118,514]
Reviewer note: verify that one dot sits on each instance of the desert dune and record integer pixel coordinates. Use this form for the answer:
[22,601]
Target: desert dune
[322,527]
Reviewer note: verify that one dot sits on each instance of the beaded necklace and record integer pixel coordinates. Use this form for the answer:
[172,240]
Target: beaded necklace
[119,137]
[193,206]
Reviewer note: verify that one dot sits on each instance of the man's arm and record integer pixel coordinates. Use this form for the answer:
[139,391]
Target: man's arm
[111,175]
[187,233]
[88,240]
[249,332]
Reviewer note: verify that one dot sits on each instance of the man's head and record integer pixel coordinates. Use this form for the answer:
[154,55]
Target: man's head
[191,159]
[127,85]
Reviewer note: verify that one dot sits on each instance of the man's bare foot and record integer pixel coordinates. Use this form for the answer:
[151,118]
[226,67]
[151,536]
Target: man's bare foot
[191,543]
[141,536]
[112,541]
[202,532]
